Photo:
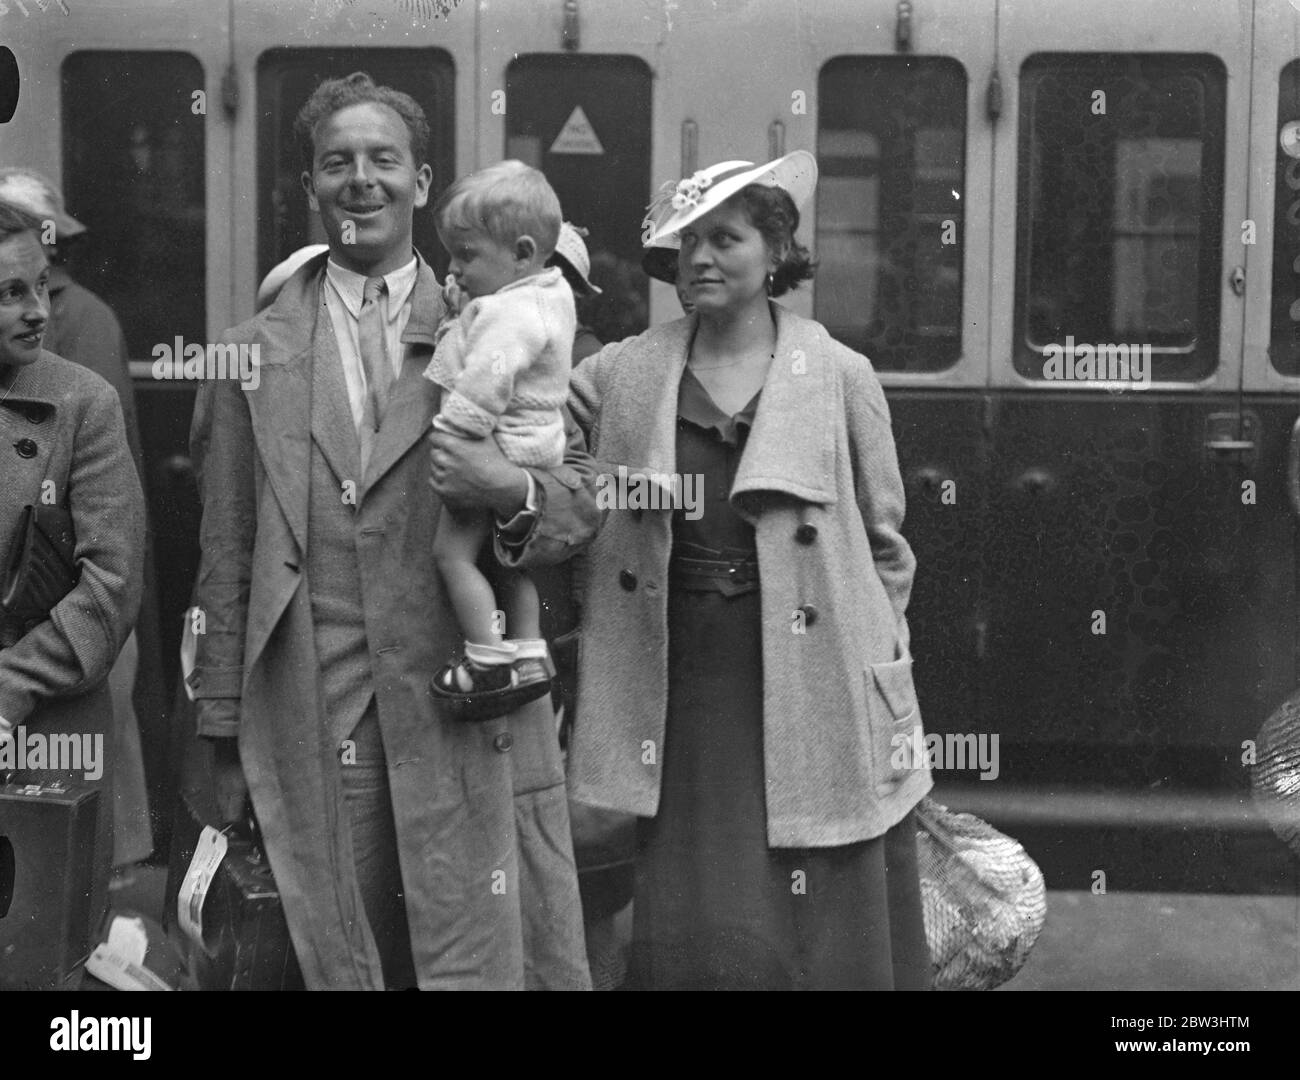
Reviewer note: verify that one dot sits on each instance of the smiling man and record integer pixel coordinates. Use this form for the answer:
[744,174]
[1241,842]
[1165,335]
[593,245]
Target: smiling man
[409,848]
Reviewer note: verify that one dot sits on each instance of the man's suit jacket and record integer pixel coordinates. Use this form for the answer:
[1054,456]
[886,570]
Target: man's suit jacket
[480,809]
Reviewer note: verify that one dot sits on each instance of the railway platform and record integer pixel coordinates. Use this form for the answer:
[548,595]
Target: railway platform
[1113,941]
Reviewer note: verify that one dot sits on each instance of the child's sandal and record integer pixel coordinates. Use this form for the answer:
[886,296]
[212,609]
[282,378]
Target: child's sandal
[481,678]
[498,688]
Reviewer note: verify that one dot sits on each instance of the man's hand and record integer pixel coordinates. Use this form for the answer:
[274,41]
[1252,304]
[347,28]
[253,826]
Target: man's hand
[229,783]
[469,473]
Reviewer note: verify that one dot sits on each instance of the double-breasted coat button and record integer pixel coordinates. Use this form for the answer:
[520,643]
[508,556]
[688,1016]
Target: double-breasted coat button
[806,533]
[809,614]
[504,741]
[628,580]
[26,448]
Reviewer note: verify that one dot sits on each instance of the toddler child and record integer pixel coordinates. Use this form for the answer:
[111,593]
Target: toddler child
[503,363]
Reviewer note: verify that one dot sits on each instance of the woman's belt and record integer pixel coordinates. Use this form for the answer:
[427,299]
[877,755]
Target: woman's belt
[730,577]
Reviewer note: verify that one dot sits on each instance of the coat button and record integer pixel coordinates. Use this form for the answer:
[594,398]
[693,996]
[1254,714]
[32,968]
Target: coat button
[809,614]
[628,580]
[806,533]
[504,741]
[26,448]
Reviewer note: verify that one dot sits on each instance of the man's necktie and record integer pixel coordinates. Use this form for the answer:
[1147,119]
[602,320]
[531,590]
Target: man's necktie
[374,353]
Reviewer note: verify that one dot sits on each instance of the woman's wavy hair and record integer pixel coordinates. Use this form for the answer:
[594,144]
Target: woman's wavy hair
[773,213]
[15,220]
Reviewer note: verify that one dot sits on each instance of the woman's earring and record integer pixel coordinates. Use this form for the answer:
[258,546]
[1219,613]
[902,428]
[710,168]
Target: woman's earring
[769,283]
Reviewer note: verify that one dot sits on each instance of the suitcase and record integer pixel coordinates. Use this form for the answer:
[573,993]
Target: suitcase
[47,867]
[246,942]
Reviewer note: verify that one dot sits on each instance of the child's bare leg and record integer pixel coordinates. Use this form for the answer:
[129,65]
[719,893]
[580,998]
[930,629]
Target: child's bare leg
[456,544]
[522,607]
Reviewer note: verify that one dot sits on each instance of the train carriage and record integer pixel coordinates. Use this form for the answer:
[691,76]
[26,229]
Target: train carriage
[1016,197]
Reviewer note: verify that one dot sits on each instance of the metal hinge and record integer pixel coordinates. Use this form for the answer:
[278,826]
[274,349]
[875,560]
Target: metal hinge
[903,26]
[570,31]
[1237,280]
[230,91]
[993,100]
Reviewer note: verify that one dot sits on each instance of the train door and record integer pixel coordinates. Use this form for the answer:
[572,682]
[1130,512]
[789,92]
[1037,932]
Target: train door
[572,96]
[584,120]
[1123,596]
[902,239]
[123,108]
[1271,362]
[280,58]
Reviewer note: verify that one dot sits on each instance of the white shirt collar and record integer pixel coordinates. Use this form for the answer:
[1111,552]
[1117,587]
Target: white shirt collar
[545,277]
[350,285]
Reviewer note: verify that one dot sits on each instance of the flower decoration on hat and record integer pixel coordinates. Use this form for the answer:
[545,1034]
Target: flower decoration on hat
[689,191]
[678,196]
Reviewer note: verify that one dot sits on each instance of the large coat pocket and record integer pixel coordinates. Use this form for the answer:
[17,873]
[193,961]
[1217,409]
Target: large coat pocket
[895,722]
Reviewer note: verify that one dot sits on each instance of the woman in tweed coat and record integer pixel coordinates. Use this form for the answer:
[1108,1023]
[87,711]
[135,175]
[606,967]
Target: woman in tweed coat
[63,441]
[744,664]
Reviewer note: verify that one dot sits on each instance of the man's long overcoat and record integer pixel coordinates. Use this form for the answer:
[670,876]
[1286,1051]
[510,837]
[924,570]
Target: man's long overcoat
[480,810]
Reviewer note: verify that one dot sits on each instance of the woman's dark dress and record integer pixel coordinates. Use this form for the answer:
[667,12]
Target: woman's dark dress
[715,907]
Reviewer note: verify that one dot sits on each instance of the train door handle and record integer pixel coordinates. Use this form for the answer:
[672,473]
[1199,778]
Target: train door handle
[178,469]
[1035,481]
[1233,436]
[1293,469]
[929,478]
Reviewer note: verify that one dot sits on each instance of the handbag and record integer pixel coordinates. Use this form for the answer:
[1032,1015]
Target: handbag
[982,896]
[40,571]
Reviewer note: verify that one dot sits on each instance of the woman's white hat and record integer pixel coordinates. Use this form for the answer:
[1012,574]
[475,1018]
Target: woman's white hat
[572,250]
[282,272]
[29,190]
[677,205]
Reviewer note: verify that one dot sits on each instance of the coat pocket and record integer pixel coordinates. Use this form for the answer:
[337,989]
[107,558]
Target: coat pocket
[895,722]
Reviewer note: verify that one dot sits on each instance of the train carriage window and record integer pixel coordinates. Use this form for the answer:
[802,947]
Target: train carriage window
[584,120]
[133,173]
[1120,202]
[891,144]
[1284,341]
[286,78]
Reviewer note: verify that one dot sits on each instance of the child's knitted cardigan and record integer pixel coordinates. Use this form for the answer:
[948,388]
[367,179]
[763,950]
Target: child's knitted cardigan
[505,364]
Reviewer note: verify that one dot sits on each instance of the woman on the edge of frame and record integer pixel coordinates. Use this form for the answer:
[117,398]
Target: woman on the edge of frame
[744,662]
[64,454]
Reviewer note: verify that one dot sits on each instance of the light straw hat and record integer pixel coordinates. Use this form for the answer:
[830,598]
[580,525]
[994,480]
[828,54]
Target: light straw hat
[677,205]
[573,251]
[29,190]
[283,271]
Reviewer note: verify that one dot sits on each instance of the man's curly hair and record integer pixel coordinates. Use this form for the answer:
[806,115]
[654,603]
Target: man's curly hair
[333,95]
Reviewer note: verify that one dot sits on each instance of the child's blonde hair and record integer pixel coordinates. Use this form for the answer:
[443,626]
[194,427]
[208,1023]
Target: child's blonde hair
[507,200]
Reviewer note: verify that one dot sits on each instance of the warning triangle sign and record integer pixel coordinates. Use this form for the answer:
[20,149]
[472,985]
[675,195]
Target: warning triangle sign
[577,136]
